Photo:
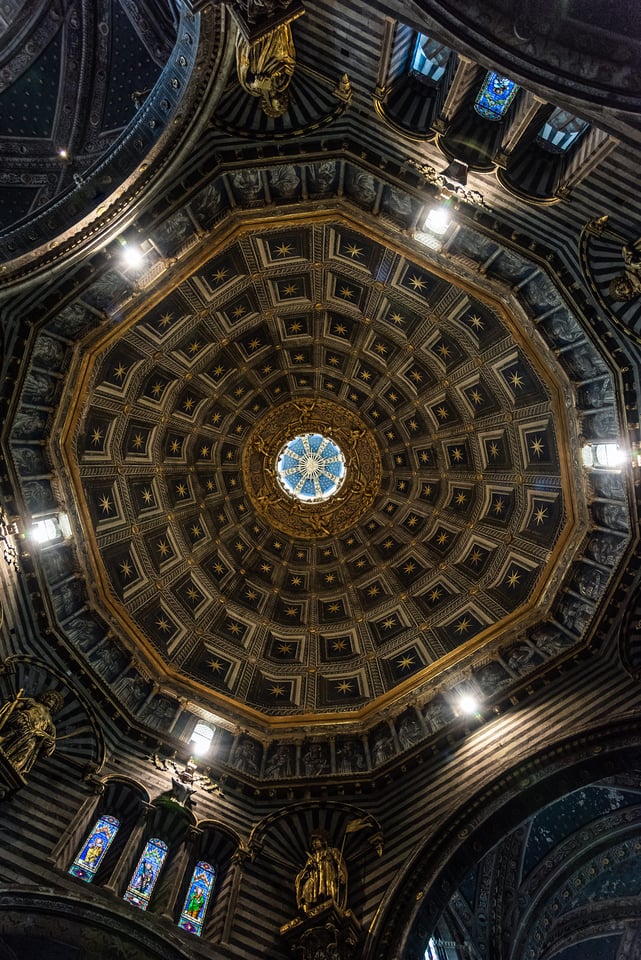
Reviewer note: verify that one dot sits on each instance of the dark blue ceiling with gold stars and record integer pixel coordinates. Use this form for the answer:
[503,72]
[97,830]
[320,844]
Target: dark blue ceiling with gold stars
[470,505]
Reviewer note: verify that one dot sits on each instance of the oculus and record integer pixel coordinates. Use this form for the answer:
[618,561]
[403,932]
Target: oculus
[310,467]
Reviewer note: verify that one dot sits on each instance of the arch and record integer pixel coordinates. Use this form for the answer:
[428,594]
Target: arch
[90,928]
[414,902]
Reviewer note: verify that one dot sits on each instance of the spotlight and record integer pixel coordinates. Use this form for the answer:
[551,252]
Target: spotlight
[438,220]
[132,254]
[468,703]
[63,153]
[201,739]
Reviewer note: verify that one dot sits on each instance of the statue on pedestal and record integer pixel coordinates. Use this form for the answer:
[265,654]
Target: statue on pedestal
[27,730]
[324,876]
[627,286]
[265,68]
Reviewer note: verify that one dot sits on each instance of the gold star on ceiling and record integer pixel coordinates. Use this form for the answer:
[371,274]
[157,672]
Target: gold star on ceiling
[463,625]
[277,690]
[513,579]
[540,515]
[284,249]
[166,319]
[405,662]
[137,441]
[417,282]
[338,645]
[194,346]
[475,321]
[120,371]
[516,379]
[346,292]
[389,623]
[353,250]
[537,446]
[344,687]
[163,548]
[396,318]
[220,274]
[215,665]
[163,624]
[442,413]
[181,490]
[290,289]
[105,504]
[126,569]
[96,436]
[284,648]
[147,495]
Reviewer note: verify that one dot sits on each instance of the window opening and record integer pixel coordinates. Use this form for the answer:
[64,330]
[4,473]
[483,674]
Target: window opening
[93,850]
[429,58]
[495,96]
[560,131]
[142,883]
[197,899]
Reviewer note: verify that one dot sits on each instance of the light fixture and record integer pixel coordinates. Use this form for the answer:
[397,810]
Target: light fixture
[604,455]
[467,703]
[63,153]
[44,531]
[438,220]
[201,739]
[132,254]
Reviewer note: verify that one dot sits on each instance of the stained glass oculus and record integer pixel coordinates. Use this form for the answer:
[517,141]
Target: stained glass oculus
[495,96]
[93,850]
[310,467]
[198,895]
[142,883]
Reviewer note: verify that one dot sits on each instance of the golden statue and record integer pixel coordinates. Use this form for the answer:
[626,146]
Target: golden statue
[27,731]
[266,66]
[627,286]
[324,876]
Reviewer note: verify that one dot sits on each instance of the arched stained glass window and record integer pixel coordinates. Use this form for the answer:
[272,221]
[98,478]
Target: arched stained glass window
[146,873]
[560,131]
[495,96]
[429,57]
[93,850]
[198,896]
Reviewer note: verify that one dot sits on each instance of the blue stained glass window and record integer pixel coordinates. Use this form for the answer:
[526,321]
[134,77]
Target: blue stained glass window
[198,896]
[142,883]
[310,467]
[495,96]
[429,57]
[560,131]
[93,850]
